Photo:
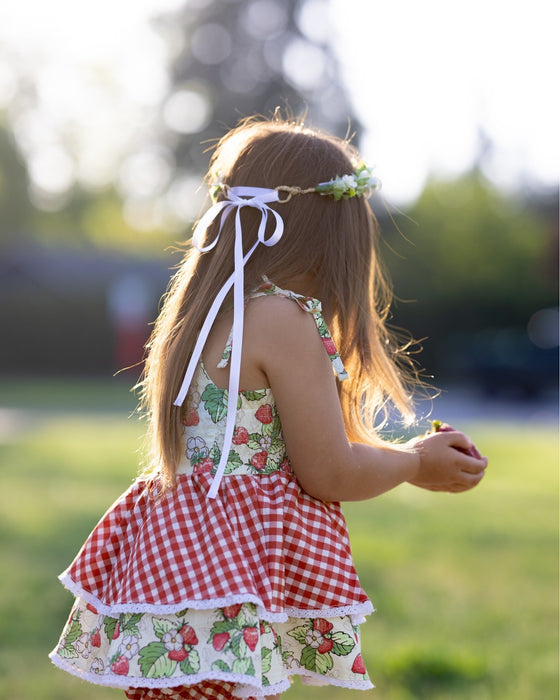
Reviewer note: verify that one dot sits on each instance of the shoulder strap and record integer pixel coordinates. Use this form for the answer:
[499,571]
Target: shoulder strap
[308,304]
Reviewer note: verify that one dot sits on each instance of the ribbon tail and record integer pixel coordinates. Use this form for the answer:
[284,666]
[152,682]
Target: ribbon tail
[235,362]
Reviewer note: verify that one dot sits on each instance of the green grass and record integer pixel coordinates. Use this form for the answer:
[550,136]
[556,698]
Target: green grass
[465,586]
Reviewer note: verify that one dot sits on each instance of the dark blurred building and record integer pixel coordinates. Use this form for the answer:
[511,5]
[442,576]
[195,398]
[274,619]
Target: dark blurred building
[75,311]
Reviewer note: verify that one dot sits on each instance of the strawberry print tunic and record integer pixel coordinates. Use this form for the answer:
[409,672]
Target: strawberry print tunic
[183,596]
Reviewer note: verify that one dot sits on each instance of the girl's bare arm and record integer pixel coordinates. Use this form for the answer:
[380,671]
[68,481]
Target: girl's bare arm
[287,348]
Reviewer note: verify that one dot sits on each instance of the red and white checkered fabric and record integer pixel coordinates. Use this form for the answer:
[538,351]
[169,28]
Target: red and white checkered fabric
[208,690]
[263,540]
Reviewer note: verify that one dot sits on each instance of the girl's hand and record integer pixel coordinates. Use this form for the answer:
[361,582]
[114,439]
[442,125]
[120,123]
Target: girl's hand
[446,463]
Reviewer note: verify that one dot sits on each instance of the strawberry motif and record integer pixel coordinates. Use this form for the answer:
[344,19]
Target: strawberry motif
[330,347]
[251,637]
[188,634]
[95,639]
[240,436]
[117,631]
[325,646]
[91,608]
[220,640]
[264,413]
[258,460]
[322,626]
[178,654]
[191,417]
[439,427]
[232,611]
[358,666]
[205,466]
[120,666]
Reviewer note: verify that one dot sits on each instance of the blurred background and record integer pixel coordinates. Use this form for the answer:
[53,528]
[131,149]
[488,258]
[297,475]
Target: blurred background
[108,113]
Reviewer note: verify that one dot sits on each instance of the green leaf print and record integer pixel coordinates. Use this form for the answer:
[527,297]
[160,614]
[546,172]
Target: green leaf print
[323,662]
[272,429]
[238,646]
[215,453]
[234,461]
[244,666]
[215,402]
[161,627]
[342,643]
[255,395]
[109,624]
[266,660]
[276,446]
[67,652]
[322,326]
[308,658]
[128,624]
[220,665]
[154,661]
[271,465]
[191,664]
[299,633]
[255,441]
[75,630]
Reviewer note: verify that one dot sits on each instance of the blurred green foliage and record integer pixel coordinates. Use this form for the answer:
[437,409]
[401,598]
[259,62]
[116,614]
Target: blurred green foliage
[466,256]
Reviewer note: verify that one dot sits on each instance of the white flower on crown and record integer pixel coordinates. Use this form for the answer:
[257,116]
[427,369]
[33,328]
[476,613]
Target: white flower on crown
[366,179]
[360,183]
[349,182]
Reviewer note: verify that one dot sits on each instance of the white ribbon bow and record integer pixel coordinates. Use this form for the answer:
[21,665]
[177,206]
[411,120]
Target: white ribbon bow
[237,198]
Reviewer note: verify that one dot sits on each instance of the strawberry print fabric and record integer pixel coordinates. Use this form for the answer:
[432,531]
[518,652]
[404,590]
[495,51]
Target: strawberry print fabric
[182,596]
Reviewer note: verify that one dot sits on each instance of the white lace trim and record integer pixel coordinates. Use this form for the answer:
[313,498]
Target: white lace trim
[246,686]
[248,691]
[312,678]
[113,680]
[356,612]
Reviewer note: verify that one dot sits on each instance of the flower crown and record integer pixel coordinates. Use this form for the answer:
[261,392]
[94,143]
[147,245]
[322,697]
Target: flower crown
[361,183]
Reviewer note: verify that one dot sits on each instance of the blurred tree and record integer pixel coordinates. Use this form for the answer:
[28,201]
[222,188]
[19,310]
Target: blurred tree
[15,211]
[470,257]
[235,58]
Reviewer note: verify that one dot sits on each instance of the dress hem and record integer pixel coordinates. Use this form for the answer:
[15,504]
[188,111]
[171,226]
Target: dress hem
[248,687]
[356,612]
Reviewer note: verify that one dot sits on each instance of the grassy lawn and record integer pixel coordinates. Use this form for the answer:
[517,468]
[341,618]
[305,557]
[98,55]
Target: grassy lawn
[466,586]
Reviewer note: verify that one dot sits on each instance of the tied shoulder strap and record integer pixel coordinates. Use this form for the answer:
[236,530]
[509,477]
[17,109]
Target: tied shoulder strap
[308,304]
[312,306]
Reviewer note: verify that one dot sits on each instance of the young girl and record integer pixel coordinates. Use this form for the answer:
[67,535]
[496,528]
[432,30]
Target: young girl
[227,569]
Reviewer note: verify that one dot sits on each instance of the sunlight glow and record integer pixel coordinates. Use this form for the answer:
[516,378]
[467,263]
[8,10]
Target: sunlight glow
[433,83]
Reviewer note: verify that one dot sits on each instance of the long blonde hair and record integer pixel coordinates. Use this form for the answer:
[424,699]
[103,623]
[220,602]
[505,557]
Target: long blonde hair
[335,241]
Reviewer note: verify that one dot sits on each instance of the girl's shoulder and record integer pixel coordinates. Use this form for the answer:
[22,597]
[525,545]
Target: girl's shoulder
[284,331]
[279,316]
[269,290]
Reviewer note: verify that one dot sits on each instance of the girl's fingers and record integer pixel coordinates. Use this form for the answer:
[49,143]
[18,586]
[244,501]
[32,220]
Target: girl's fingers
[475,466]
